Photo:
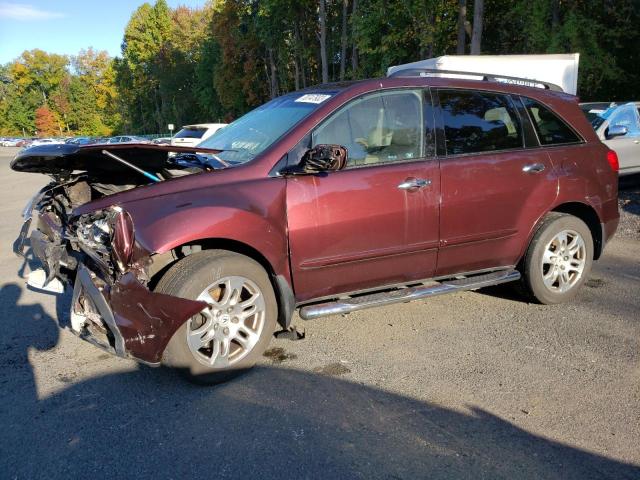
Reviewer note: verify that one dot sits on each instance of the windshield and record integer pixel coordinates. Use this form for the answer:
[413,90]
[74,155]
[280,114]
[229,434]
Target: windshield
[252,133]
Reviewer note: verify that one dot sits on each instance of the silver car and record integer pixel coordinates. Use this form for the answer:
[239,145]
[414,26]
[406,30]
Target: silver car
[618,126]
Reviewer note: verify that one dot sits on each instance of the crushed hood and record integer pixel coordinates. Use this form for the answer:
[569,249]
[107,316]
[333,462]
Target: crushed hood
[66,158]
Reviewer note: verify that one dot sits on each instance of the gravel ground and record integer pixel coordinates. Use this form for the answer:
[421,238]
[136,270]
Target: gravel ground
[629,207]
[471,385]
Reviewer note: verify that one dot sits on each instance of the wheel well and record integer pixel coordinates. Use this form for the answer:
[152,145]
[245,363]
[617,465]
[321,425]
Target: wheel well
[589,216]
[282,289]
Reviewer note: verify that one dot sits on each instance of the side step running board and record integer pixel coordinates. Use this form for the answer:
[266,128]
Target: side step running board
[353,304]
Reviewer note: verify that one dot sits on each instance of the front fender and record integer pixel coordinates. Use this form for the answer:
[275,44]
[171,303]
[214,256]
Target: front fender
[253,213]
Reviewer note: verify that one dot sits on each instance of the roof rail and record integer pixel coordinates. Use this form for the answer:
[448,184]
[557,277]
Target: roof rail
[487,77]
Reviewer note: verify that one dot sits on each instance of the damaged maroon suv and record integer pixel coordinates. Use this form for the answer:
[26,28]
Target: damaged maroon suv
[327,200]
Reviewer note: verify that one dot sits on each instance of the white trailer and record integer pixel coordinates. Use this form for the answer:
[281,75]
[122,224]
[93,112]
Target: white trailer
[558,69]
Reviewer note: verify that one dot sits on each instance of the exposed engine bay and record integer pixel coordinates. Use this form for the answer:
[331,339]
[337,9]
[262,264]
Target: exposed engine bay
[84,174]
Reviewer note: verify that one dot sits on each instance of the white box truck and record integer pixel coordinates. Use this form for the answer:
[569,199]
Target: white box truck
[558,69]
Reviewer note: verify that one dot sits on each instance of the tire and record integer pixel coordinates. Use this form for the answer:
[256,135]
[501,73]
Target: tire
[198,347]
[548,277]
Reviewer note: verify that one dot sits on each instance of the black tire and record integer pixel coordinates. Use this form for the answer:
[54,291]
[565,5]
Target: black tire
[188,278]
[532,269]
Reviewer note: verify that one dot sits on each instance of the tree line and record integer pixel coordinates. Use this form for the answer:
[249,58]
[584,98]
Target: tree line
[187,65]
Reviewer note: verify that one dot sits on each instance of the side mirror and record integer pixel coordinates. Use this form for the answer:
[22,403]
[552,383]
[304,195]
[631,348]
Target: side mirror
[616,131]
[321,158]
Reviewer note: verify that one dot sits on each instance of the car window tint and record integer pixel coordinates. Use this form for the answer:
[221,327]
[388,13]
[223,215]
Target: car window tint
[190,132]
[479,122]
[550,128]
[378,128]
[626,116]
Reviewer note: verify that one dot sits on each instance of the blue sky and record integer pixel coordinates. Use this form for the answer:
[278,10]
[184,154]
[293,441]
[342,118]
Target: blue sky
[66,26]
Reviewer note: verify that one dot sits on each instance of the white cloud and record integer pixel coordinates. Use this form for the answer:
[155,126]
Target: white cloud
[23,11]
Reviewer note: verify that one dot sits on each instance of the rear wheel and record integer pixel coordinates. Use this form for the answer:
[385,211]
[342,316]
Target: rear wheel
[233,331]
[558,260]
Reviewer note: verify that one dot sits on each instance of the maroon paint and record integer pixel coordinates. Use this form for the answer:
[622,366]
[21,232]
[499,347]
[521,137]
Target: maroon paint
[488,207]
[353,229]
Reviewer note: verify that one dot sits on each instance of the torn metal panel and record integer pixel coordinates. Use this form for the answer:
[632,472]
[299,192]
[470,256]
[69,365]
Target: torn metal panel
[147,320]
[126,318]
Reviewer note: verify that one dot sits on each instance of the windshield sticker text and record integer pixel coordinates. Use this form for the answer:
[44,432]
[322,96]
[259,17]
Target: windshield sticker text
[313,98]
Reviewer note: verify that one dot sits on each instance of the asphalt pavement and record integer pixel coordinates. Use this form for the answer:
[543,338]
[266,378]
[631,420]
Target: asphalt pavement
[471,385]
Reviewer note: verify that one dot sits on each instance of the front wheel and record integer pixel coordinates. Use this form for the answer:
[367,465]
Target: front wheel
[233,331]
[558,260]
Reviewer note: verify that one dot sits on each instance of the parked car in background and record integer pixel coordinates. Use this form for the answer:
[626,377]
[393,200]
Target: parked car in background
[45,141]
[192,135]
[328,200]
[618,127]
[10,142]
[162,141]
[127,139]
[80,140]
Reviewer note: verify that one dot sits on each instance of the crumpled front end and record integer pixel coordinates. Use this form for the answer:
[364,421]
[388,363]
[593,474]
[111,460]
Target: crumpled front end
[96,254]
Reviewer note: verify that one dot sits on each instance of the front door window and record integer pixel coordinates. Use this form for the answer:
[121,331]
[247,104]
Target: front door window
[379,128]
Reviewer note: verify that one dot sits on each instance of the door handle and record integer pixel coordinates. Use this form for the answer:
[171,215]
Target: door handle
[414,183]
[533,168]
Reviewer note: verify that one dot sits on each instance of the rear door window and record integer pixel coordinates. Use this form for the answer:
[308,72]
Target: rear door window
[476,122]
[551,129]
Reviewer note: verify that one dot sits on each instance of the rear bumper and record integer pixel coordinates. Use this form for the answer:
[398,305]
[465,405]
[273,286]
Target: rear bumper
[126,318]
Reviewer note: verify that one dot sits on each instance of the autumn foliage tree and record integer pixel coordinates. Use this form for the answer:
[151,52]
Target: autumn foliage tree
[77,92]
[46,122]
[194,65]
[221,60]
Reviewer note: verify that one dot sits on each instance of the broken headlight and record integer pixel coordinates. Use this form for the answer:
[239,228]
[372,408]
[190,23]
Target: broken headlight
[108,232]
[94,232]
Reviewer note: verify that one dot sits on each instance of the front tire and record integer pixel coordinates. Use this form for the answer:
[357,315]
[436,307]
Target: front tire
[230,335]
[558,260]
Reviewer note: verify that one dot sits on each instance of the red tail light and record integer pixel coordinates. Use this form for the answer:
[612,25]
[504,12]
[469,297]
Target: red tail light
[612,158]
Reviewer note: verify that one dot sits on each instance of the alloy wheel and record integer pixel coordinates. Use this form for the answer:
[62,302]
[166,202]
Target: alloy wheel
[226,330]
[563,261]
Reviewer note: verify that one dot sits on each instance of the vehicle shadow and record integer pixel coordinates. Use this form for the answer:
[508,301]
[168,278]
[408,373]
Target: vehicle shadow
[506,291]
[15,342]
[269,423]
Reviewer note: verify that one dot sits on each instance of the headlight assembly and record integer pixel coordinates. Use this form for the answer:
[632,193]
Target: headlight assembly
[94,231]
[108,232]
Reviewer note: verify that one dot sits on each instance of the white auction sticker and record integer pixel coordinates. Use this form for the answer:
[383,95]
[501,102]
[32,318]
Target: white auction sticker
[313,98]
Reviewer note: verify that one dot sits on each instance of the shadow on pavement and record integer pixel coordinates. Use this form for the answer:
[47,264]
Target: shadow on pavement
[269,423]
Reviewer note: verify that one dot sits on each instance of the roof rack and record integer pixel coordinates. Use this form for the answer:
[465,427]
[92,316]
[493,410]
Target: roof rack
[487,77]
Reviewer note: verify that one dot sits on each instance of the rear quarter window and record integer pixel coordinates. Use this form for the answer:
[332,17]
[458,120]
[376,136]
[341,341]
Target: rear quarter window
[477,122]
[550,128]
